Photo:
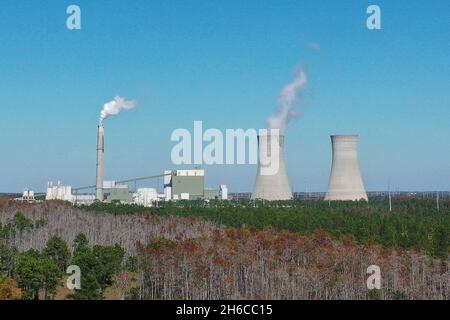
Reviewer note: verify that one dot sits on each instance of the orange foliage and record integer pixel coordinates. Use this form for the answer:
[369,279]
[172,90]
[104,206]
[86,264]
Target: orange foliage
[246,263]
[9,291]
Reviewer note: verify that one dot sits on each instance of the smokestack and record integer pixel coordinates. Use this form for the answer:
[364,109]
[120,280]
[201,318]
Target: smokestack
[100,162]
[271,180]
[345,179]
[110,108]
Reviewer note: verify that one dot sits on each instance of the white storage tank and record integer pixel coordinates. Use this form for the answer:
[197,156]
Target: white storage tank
[145,196]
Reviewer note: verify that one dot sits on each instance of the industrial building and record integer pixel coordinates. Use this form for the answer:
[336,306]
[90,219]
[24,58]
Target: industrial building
[116,193]
[119,193]
[65,193]
[28,195]
[184,184]
[145,197]
[345,179]
[178,185]
[190,185]
[59,192]
[271,185]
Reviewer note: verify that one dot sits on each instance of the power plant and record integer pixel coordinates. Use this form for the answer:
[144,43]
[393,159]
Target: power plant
[271,179]
[271,183]
[178,184]
[345,179]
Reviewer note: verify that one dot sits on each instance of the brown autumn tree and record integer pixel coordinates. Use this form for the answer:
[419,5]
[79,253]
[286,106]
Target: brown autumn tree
[253,264]
[9,290]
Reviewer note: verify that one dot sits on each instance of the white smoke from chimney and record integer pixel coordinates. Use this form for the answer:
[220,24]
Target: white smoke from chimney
[115,106]
[286,100]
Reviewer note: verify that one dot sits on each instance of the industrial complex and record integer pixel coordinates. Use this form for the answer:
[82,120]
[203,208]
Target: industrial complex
[178,185]
[345,181]
[271,181]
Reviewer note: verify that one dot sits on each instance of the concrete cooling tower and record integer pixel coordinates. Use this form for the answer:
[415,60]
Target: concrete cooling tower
[271,184]
[345,179]
[99,195]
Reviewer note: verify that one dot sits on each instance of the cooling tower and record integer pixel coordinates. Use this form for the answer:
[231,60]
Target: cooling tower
[100,159]
[271,180]
[345,179]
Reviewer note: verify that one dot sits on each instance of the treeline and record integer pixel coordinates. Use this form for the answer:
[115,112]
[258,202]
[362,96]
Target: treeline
[168,252]
[37,274]
[19,224]
[59,218]
[412,223]
[248,263]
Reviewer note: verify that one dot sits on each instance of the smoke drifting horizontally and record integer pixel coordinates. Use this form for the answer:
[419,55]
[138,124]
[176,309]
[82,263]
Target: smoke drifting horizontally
[115,106]
[286,100]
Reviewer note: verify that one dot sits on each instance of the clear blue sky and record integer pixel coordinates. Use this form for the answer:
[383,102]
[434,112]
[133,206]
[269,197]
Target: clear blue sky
[224,62]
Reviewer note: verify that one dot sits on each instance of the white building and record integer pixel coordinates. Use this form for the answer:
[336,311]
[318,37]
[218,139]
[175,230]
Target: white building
[190,185]
[145,197]
[223,192]
[184,184]
[58,192]
[85,199]
[27,196]
[64,193]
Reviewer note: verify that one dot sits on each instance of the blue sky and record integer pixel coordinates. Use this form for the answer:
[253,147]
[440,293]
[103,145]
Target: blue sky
[224,62]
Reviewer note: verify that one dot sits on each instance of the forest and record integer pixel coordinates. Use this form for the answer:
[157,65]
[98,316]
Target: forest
[226,250]
[248,263]
[413,223]
[37,274]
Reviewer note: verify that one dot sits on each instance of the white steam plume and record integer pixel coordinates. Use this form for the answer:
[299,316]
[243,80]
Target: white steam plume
[115,106]
[286,100]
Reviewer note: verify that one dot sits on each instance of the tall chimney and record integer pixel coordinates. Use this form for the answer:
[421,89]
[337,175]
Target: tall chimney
[345,179]
[271,184]
[100,162]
